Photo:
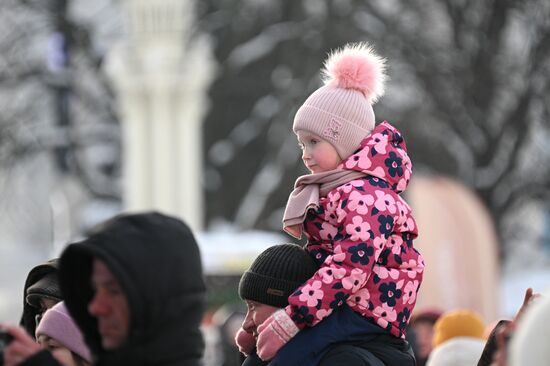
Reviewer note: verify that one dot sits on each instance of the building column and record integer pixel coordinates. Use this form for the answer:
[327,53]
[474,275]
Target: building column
[161,77]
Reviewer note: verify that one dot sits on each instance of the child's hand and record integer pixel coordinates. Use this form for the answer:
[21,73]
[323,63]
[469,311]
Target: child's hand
[245,341]
[273,333]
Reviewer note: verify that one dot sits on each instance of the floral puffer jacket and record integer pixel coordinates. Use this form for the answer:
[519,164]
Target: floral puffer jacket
[362,237]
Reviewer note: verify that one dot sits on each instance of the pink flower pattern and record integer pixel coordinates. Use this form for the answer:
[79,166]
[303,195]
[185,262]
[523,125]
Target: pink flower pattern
[329,274]
[360,160]
[385,202]
[358,229]
[328,231]
[379,243]
[410,224]
[394,243]
[360,298]
[378,142]
[355,280]
[323,313]
[360,203]
[333,199]
[353,185]
[385,273]
[412,268]
[409,292]
[362,238]
[311,293]
[386,315]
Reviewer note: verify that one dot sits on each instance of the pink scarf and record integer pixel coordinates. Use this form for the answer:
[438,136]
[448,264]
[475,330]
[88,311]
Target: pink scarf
[307,191]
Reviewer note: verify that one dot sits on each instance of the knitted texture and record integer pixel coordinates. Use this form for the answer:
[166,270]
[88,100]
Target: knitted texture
[275,274]
[47,286]
[274,333]
[458,323]
[341,110]
[246,342]
[58,324]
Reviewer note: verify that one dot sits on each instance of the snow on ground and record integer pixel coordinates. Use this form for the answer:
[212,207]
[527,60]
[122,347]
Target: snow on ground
[226,250]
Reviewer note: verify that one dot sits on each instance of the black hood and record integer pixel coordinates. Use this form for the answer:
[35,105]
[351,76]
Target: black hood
[44,282]
[157,263]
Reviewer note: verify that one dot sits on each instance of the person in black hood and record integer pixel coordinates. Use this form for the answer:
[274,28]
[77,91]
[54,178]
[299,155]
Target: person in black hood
[135,288]
[40,293]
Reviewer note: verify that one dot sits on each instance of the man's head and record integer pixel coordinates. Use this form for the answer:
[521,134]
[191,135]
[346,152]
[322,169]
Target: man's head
[41,292]
[421,328]
[44,293]
[135,288]
[109,306]
[273,276]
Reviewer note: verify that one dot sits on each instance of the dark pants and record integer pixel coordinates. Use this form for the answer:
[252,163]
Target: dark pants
[350,356]
[384,350]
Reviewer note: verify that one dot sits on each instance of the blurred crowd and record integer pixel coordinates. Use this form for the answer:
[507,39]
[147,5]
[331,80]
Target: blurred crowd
[461,337]
[104,303]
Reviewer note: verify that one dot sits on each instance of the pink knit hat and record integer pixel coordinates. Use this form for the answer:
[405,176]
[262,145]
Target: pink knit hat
[341,110]
[58,324]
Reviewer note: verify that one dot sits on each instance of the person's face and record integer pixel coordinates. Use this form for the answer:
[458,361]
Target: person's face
[256,314]
[424,334]
[110,306]
[58,350]
[318,154]
[44,304]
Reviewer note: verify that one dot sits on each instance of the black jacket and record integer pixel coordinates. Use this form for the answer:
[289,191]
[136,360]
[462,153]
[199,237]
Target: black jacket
[157,263]
[42,358]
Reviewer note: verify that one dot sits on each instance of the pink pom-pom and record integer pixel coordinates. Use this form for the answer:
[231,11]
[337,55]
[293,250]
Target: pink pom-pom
[356,66]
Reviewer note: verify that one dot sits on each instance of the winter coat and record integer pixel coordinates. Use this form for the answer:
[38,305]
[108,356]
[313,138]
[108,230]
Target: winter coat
[41,358]
[343,327]
[309,347]
[47,288]
[362,237]
[365,344]
[157,263]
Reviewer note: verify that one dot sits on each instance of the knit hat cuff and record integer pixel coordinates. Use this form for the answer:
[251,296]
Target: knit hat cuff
[343,134]
[47,286]
[58,324]
[266,290]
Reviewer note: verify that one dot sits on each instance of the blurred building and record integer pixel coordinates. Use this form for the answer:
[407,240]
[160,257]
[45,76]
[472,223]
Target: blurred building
[162,71]
[458,242]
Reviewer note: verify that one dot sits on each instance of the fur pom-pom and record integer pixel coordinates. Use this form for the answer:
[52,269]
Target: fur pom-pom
[356,66]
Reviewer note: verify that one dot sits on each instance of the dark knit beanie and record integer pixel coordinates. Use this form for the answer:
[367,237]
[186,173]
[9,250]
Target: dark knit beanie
[46,287]
[275,274]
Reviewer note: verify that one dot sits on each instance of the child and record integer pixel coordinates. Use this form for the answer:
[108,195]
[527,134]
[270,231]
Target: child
[359,229]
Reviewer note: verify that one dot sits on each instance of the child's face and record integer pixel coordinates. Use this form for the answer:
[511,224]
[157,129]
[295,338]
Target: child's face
[318,154]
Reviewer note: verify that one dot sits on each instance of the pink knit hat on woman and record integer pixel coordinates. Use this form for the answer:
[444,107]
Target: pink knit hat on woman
[58,324]
[341,110]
